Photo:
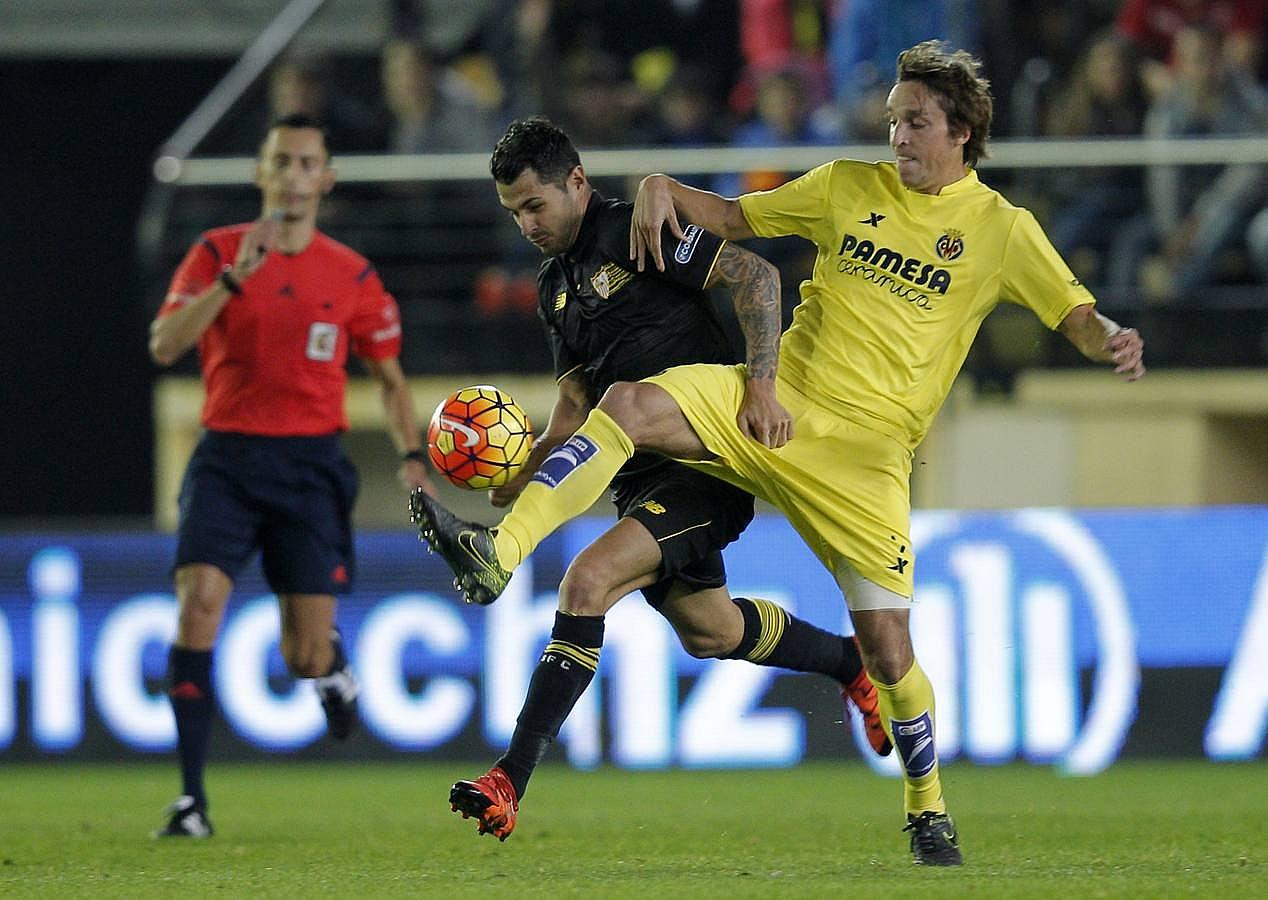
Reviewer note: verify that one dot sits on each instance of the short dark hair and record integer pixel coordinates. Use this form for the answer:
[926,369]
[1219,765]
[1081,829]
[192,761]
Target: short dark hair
[964,95]
[300,120]
[538,144]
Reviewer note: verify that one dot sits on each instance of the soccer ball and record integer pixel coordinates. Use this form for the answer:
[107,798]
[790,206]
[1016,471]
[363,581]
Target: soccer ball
[478,437]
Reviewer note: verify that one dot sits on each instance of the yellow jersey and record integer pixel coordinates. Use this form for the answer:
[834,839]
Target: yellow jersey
[901,282]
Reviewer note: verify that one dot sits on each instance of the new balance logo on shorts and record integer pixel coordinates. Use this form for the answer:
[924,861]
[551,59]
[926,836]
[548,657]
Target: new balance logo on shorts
[564,459]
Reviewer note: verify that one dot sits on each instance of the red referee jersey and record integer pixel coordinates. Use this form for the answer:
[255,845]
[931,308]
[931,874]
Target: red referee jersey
[273,360]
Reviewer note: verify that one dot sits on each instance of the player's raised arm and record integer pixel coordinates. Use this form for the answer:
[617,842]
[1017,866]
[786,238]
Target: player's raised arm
[175,330]
[754,286]
[1102,340]
[659,201]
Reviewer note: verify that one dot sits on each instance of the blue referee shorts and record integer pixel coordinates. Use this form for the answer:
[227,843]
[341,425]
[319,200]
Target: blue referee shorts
[289,497]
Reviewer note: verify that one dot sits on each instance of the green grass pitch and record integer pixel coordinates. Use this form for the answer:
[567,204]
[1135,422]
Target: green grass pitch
[817,830]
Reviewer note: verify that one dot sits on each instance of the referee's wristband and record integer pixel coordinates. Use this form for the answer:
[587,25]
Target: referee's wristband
[231,284]
[416,455]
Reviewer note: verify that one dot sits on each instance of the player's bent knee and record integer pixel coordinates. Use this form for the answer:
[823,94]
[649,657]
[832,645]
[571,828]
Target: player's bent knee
[584,591]
[199,611]
[199,621]
[203,592]
[304,666]
[885,642]
[305,658]
[641,410]
[625,402]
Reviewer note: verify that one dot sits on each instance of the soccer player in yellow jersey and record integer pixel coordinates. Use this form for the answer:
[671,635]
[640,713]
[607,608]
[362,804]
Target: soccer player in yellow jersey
[912,255]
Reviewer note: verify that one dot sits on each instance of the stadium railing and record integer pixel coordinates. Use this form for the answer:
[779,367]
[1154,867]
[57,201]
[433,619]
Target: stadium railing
[432,226]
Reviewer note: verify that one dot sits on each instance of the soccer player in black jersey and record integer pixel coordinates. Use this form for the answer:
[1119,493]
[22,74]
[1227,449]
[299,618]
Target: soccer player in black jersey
[607,322]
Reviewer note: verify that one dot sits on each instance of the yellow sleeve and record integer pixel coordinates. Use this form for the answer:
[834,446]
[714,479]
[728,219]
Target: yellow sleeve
[1035,276]
[801,207]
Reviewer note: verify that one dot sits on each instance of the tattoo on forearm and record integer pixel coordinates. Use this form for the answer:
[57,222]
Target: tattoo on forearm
[754,287]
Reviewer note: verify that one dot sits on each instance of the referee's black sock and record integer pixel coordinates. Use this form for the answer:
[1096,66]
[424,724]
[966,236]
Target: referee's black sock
[565,669]
[189,677]
[772,637]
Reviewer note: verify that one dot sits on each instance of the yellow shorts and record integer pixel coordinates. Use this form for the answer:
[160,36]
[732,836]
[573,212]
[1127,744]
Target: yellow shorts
[845,488]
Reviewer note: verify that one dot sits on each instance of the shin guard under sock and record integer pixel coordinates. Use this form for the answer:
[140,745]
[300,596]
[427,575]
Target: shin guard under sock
[907,712]
[570,479]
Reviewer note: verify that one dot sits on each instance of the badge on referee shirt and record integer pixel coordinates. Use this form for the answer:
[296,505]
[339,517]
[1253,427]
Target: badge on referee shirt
[323,338]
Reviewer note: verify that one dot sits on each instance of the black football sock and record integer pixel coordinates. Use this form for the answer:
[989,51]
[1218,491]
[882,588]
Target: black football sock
[565,669]
[189,674]
[772,637]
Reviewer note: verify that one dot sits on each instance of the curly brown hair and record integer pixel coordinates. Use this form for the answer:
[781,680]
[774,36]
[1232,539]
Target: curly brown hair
[964,95]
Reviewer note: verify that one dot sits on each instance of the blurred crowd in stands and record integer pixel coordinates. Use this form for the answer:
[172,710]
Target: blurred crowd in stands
[775,73]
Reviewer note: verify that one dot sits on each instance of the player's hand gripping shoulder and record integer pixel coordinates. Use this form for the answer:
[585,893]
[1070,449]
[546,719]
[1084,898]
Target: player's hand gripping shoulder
[653,208]
[659,202]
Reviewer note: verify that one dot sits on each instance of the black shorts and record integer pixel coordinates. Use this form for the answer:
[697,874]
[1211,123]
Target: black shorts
[692,516]
[289,497]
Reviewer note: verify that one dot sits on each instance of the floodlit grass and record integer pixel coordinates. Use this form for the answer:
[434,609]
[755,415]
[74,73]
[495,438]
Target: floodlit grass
[819,830]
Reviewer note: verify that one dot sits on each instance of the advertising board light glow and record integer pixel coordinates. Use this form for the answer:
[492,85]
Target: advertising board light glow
[1040,630]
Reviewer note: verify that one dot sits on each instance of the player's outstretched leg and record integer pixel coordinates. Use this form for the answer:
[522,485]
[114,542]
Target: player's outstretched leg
[338,692]
[774,637]
[862,694]
[186,817]
[933,839]
[490,799]
[466,546]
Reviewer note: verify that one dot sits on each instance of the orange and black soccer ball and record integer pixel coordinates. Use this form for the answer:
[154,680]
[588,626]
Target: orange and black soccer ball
[478,437]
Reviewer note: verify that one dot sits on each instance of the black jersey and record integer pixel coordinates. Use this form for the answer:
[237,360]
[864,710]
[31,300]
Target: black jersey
[609,322]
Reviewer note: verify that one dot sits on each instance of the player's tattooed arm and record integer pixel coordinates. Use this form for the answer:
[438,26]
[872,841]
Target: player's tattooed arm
[754,286]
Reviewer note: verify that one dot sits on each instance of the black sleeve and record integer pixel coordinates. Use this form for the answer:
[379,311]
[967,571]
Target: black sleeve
[690,261]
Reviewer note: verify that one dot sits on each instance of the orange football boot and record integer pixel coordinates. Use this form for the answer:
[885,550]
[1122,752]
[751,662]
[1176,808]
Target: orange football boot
[862,693]
[491,799]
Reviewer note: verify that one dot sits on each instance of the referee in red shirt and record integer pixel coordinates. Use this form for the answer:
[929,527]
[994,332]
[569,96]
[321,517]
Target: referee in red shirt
[274,307]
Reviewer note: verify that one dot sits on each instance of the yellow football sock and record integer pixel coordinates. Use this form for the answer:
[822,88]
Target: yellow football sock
[907,712]
[571,478]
